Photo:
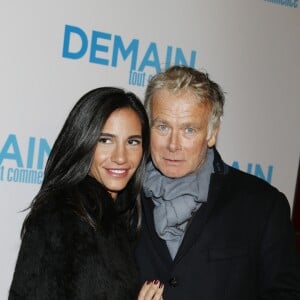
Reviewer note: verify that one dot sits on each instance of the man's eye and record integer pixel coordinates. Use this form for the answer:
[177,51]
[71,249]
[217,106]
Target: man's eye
[162,127]
[189,130]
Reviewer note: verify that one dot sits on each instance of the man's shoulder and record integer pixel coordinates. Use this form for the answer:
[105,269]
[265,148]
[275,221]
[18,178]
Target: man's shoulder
[247,186]
[246,180]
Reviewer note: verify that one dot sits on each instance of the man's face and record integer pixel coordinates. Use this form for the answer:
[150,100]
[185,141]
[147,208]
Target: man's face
[179,127]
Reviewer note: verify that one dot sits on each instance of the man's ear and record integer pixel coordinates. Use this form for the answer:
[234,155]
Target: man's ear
[213,138]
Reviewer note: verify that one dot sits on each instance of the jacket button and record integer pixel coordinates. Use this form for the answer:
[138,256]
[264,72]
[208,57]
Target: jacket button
[173,282]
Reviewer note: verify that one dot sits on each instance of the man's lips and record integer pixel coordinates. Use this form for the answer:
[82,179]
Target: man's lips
[169,160]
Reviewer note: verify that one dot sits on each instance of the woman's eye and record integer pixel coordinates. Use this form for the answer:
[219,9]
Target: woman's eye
[104,140]
[134,142]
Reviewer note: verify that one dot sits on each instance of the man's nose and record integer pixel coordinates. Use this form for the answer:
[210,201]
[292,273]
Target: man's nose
[174,142]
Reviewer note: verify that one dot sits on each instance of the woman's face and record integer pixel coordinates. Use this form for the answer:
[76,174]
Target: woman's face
[119,151]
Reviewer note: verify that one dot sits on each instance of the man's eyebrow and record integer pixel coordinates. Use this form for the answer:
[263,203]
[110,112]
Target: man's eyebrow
[189,124]
[159,120]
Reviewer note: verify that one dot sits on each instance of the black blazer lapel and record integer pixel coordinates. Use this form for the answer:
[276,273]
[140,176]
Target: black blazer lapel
[159,244]
[201,217]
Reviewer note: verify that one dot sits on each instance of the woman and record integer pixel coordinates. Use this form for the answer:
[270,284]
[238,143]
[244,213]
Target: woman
[77,238]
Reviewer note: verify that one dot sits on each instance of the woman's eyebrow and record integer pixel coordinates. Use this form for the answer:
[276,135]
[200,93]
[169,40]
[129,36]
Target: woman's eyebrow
[107,134]
[135,136]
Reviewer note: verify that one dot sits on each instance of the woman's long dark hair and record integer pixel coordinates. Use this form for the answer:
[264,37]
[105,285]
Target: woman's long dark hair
[72,153]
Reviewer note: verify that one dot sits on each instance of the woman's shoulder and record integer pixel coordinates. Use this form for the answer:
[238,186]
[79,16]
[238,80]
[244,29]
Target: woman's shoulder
[56,227]
[56,215]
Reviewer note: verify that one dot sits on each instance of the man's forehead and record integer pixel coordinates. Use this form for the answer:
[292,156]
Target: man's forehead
[180,100]
[179,108]
[192,119]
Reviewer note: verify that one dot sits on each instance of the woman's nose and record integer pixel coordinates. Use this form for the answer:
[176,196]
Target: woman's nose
[119,154]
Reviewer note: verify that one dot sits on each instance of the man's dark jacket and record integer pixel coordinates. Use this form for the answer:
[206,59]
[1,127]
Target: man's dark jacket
[239,245]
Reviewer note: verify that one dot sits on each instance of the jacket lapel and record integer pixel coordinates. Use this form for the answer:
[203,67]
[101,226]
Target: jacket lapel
[214,198]
[159,244]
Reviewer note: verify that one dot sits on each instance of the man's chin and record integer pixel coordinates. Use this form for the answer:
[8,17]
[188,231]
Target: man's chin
[173,173]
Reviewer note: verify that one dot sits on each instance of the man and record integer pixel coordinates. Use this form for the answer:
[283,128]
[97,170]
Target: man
[209,231]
